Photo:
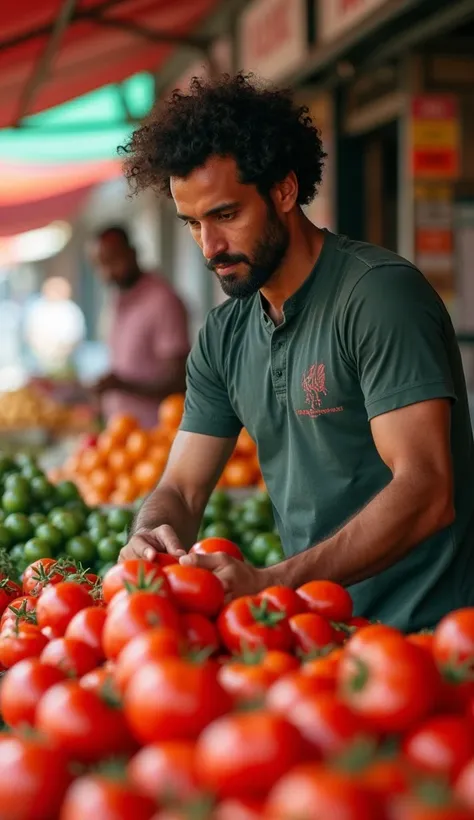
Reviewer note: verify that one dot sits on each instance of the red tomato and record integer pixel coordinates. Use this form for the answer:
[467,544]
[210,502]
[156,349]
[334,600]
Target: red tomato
[279,662]
[328,599]
[387,680]
[453,639]
[464,787]
[163,559]
[153,645]
[384,779]
[358,622]
[314,790]
[285,599]
[235,808]
[441,745]
[40,574]
[190,696]
[99,796]
[325,667]
[251,623]
[195,589]
[209,545]
[414,808]
[22,687]
[137,574]
[9,591]
[82,723]
[199,632]
[134,614]
[424,639]
[327,724]
[73,657]
[33,779]
[59,603]
[87,626]
[166,771]
[243,754]
[20,609]
[97,678]
[293,688]
[245,681]
[311,631]
[25,641]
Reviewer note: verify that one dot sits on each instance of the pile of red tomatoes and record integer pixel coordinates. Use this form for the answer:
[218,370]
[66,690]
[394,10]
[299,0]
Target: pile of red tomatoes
[146,696]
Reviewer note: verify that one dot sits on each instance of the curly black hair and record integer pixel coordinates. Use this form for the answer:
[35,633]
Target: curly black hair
[261,127]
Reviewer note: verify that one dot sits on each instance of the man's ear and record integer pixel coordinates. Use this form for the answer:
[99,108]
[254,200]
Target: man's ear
[285,193]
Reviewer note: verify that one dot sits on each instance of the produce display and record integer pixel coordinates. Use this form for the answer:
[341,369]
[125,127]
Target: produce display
[148,696]
[124,462]
[41,520]
[29,408]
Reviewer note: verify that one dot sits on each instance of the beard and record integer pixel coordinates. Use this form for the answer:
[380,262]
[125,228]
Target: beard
[267,256]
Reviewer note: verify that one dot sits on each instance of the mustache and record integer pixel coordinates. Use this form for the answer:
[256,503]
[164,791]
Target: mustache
[226,259]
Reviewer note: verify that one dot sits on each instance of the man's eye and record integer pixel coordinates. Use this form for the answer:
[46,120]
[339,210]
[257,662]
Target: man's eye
[227,217]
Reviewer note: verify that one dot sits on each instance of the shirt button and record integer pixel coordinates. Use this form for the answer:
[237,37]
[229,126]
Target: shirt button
[278,374]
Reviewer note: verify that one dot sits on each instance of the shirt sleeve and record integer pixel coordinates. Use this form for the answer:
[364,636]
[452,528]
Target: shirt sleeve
[171,339]
[207,409]
[398,336]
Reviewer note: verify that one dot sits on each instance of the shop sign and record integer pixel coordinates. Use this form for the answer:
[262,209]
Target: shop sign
[335,17]
[434,236]
[435,137]
[273,37]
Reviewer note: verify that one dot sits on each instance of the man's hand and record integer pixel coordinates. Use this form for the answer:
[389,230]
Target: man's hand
[108,382]
[237,577]
[147,543]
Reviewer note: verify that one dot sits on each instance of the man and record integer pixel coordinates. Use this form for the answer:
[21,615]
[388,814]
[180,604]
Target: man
[149,334]
[337,356]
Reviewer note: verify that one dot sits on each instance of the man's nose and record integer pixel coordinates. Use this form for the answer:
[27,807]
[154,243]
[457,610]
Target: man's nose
[213,241]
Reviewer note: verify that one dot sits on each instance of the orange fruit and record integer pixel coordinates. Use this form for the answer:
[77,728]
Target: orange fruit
[122,497]
[90,460]
[120,427]
[101,480]
[245,444]
[146,473]
[158,453]
[170,411]
[126,484]
[239,472]
[105,444]
[120,460]
[159,435]
[137,444]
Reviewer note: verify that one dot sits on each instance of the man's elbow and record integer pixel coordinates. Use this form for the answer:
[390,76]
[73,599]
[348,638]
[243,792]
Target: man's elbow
[440,512]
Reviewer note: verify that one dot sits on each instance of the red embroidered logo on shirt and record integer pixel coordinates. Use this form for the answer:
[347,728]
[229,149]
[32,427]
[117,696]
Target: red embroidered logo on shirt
[314,386]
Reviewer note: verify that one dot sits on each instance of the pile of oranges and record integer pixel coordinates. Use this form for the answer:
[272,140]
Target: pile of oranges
[125,462]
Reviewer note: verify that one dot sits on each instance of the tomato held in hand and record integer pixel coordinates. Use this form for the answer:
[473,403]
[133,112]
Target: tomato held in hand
[33,779]
[210,545]
[252,623]
[59,603]
[243,754]
[190,696]
[24,641]
[133,614]
[22,688]
[99,796]
[136,574]
[82,723]
[195,589]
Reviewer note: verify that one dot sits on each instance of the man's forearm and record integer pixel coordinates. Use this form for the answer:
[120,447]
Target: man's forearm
[396,520]
[166,506]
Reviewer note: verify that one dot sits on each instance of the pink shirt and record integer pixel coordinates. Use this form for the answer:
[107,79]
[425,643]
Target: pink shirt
[149,326]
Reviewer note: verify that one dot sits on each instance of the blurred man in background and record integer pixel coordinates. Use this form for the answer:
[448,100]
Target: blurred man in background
[148,339]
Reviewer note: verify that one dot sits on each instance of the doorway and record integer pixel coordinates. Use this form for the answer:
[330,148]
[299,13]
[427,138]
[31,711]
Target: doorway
[381,152]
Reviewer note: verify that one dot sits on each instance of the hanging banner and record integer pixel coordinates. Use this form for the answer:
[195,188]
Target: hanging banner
[274,37]
[434,237]
[435,137]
